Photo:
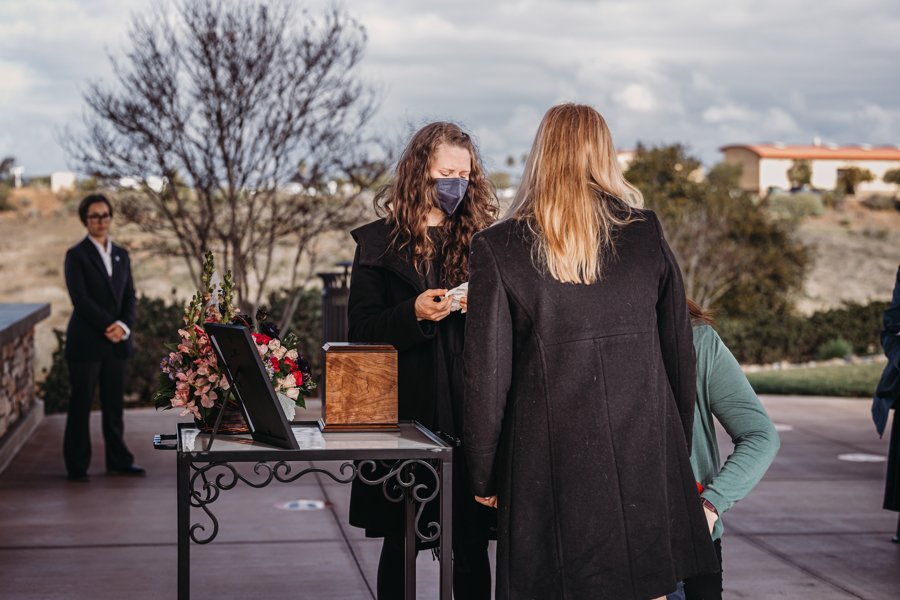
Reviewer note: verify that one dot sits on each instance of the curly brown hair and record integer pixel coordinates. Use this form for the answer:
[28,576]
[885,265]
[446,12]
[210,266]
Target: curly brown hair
[406,201]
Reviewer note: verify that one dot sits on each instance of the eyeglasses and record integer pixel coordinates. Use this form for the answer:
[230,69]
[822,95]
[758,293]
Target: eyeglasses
[101,217]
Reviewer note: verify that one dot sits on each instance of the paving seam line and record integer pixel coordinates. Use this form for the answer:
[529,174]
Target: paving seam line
[784,557]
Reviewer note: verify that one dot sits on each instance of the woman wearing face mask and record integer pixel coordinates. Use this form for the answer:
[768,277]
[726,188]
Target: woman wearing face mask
[405,264]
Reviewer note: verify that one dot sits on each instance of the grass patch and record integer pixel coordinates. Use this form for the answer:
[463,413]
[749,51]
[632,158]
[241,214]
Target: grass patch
[853,380]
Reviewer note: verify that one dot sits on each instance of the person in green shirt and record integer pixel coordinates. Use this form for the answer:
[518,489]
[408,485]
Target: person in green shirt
[724,395]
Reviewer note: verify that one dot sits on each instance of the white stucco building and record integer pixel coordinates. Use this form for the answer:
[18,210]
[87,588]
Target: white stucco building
[766,165]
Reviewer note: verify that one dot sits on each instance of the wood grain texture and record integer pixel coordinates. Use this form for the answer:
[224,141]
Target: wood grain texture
[360,388]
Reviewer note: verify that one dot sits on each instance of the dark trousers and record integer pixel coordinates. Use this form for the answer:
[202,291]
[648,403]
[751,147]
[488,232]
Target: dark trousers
[708,586]
[84,378]
[471,570]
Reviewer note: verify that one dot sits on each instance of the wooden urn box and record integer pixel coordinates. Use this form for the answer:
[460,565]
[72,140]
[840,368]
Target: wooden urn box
[360,392]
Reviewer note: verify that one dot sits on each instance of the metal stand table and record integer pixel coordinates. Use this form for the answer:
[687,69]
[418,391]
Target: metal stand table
[393,460]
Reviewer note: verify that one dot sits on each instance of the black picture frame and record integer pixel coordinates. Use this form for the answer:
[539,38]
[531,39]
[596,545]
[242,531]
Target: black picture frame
[239,360]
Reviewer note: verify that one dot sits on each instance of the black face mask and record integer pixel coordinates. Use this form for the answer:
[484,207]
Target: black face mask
[450,192]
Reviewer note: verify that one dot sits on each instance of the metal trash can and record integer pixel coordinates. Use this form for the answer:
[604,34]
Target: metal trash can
[335,294]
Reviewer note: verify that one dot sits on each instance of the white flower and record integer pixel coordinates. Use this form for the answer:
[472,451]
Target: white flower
[293,355]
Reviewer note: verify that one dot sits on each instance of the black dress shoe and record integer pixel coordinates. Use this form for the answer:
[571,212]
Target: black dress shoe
[132,470]
[79,477]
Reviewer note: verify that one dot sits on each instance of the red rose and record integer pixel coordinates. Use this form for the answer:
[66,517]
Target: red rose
[291,365]
[274,362]
[298,377]
[261,338]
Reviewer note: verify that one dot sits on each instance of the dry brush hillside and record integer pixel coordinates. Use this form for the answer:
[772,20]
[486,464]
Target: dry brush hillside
[856,253]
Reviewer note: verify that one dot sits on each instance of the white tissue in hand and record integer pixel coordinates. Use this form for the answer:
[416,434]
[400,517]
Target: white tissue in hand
[457,294]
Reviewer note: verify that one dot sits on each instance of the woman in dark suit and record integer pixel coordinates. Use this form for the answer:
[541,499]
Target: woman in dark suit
[405,264]
[580,382]
[98,341]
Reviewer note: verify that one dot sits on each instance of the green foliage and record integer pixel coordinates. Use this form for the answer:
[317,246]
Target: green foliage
[6,164]
[850,178]
[772,336]
[5,191]
[306,323]
[879,202]
[834,199]
[55,388]
[857,380]
[157,324]
[800,173]
[734,256]
[834,348]
[892,176]
[797,206]
[500,179]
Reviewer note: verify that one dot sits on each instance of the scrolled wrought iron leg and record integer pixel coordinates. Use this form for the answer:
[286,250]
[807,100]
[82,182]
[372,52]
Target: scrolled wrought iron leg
[446,491]
[409,541]
[184,541]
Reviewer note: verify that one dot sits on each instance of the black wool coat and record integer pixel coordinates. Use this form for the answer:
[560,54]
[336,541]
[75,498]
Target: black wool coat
[383,291]
[98,301]
[578,412]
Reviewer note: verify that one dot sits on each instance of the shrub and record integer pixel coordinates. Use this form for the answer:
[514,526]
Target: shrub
[55,388]
[834,199]
[769,336]
[157,324]
[834,348]
[879,202]
[5,190]
[306,323]
[796,206]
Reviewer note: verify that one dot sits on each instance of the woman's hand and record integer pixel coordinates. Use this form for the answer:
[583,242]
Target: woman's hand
[114,333]
[711,518]
[429,310]
[464,303]
[490,501]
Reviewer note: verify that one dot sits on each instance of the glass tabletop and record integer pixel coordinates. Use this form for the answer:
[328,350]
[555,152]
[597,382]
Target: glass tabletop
[410,437]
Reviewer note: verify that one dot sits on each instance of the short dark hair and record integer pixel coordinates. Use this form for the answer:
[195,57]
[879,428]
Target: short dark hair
[92,199]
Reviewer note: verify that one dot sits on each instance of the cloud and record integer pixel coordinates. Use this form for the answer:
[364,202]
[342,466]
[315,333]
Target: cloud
[701,72]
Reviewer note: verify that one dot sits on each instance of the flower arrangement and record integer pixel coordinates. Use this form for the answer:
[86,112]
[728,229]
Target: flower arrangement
[191,380]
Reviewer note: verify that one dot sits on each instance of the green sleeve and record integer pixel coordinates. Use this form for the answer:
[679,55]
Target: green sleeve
[736,406]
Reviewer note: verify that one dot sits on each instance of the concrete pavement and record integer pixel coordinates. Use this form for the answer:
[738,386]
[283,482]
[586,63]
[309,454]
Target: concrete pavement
[813,529]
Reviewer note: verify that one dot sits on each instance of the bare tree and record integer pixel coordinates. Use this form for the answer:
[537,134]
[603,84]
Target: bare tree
[712,261]
[253,113]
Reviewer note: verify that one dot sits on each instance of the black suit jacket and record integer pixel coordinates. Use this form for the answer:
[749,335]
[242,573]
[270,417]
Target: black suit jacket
[98,300]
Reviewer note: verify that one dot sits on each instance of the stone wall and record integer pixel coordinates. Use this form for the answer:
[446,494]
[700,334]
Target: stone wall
[18,402]
[17,378]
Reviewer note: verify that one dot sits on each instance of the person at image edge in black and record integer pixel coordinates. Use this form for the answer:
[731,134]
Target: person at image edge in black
[98,341]
[438,199]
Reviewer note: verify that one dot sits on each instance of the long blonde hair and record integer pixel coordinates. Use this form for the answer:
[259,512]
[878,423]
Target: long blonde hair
[573,194]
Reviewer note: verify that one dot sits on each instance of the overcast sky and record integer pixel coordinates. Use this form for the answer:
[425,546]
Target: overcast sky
[702,72]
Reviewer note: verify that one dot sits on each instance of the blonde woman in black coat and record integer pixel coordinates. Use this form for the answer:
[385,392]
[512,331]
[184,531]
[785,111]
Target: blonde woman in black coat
[580,382]
[438,199]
